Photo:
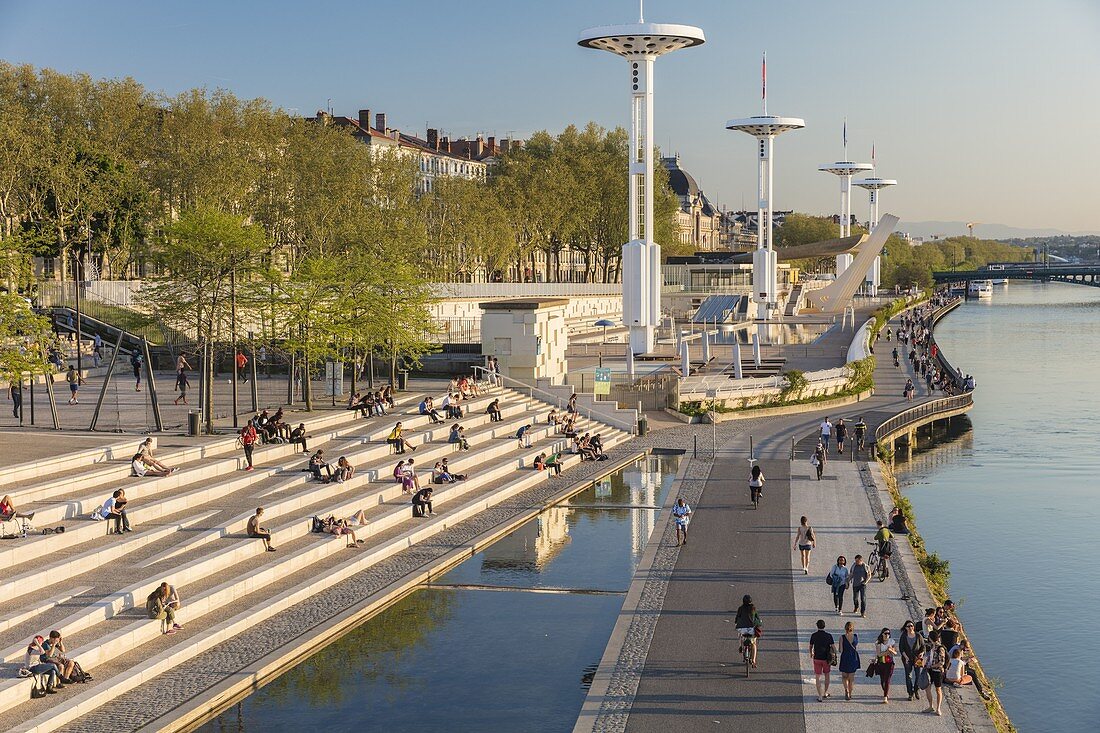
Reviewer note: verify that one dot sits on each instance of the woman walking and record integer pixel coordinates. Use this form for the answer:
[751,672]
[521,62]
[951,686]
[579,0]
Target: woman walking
[912,646]
[935,660]
[819,459]
[804,542]
[838,579]
[885,651]
[849,659]
[756,485]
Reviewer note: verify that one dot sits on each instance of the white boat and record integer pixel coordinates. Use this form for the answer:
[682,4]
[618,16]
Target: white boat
[999,281]
[981,289]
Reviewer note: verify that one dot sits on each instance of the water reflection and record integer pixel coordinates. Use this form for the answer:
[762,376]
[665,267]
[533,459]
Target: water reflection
[452,658]
[774,333]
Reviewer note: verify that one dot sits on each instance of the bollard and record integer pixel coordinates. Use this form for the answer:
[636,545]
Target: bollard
[193,421]
[643,426]
[695,446]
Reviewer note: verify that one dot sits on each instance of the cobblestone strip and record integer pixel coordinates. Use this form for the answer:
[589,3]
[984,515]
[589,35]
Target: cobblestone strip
[954,699]
[160,696]
[615,707]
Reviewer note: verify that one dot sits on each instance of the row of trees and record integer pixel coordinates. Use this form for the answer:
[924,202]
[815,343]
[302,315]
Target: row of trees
[95,171]
[902,264]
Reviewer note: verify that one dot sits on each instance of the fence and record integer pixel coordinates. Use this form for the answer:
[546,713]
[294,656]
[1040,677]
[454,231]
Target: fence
[654,392]
[945,365]
[525,290]
[721,387]
[921,413]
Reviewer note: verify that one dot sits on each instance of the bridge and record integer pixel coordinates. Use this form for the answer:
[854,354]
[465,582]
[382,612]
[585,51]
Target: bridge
[1082,274]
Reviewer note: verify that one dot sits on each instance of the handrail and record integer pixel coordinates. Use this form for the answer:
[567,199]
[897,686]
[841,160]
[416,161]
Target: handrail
[543,394]
[956,377]
[918,414]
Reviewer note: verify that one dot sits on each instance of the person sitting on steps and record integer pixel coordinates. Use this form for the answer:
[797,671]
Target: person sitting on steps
[398,441]
[298,437]
[317,462]
[257,532]
[8,510]
[158,607]
[457,436]
[422,503]
[493,411]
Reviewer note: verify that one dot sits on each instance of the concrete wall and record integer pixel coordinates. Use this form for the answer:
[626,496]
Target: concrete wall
[528,337]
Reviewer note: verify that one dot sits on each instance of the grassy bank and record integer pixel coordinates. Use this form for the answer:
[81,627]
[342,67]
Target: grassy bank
[937,573]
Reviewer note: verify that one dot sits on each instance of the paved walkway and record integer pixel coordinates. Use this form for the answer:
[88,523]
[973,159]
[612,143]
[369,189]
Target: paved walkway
[692,679]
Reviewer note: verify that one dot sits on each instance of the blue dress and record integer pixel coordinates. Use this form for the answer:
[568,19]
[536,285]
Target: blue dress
[849,657]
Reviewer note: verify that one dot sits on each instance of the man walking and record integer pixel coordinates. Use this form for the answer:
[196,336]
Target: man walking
[826,433]
[822,652]
[242,362]
[858,578]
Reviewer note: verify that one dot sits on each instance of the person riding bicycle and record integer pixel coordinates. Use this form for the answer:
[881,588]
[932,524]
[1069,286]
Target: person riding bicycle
[748,625]
[897,362]
[756,485]
[882,537]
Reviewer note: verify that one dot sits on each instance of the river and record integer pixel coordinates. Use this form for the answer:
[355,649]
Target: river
[1012,501]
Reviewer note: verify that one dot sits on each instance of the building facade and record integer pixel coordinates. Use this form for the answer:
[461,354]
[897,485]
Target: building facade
[698,222]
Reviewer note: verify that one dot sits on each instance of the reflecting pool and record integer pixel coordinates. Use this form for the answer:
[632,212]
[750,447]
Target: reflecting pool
[504,641]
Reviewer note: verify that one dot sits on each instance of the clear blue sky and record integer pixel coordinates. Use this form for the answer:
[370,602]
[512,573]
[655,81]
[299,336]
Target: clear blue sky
[984,110]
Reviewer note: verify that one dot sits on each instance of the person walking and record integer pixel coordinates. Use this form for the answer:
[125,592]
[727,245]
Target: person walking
[681,514]
[911,647]
[248,442]
[15,393]
[73,378]
[826,429]
[841,431]
[858,577]
[242,362]
[805,541]
[756,485]
[885,651]
[838,579]
[849,659]
[182,383]
[136,362]
[935,661]
[822,652]
[820,457]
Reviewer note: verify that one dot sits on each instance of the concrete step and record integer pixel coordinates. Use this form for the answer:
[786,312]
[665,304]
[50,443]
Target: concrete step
[185,648]
[129,636]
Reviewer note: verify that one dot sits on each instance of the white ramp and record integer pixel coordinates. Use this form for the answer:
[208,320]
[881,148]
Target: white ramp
[833,298]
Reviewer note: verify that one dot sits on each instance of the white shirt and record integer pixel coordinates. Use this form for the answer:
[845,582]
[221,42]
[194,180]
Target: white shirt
[803,539]
[826,427]
[138,468]
[107,507]
[955,669]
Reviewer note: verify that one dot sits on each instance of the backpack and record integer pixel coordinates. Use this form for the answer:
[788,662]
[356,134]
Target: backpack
[318,525]
[810,536]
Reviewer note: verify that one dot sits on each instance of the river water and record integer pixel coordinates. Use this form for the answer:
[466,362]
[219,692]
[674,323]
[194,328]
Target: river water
[504,641]
[1013,501]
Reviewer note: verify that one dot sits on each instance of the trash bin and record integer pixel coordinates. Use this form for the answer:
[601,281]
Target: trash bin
[643,426]
[402,380]
[193,418]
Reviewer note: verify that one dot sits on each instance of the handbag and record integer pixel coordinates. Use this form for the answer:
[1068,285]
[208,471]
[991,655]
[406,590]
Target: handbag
[872,668]
[923,679]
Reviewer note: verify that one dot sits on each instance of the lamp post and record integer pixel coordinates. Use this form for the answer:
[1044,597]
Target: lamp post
[641,44]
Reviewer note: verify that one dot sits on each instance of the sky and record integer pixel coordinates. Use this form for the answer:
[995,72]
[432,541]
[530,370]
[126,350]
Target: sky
[981,109]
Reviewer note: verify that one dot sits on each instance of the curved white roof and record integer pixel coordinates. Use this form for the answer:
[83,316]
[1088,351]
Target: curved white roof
[874,183]
[641,39]
[765,125]
[845,168]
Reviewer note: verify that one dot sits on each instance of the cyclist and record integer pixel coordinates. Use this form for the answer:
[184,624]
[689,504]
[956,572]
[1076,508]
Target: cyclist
[747,622]
[861,433]
[756,485]
[882,537]
[897,362]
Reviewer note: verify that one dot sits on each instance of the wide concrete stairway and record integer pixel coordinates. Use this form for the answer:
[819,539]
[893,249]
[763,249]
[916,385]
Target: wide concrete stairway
[189,530]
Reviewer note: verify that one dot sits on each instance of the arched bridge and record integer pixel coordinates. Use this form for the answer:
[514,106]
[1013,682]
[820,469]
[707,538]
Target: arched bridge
[1082,274]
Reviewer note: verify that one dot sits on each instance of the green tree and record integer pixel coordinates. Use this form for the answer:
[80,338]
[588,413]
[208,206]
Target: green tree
[23,336]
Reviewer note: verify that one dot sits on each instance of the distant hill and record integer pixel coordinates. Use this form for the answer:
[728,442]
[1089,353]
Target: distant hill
[984,231]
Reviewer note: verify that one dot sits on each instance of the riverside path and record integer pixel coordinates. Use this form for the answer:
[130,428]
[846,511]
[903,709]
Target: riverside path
[684,673]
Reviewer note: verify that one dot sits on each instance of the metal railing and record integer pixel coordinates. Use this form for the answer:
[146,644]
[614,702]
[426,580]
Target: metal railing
[920,414]
[723,387]
[945,365]
[549,397]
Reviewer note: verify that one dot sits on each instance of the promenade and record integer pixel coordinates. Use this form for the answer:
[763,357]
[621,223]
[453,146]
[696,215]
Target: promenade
[684,672]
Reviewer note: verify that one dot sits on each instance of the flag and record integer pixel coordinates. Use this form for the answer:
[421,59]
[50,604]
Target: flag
[872,153]
[764,76]
[845,132]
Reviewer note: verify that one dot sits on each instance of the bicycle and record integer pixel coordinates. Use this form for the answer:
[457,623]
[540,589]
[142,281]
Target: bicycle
[878,562]
[756,492]
[748,641]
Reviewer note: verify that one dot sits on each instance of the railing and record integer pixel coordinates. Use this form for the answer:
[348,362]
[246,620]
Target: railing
[945,365]
[920,414]
[550,397]
[525,290]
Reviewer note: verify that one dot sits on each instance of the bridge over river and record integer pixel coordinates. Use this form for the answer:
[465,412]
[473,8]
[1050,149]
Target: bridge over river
[1082,274]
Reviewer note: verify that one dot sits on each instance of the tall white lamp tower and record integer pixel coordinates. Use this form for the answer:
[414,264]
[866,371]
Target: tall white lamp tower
[764,128]
[845,170]
[640,44]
